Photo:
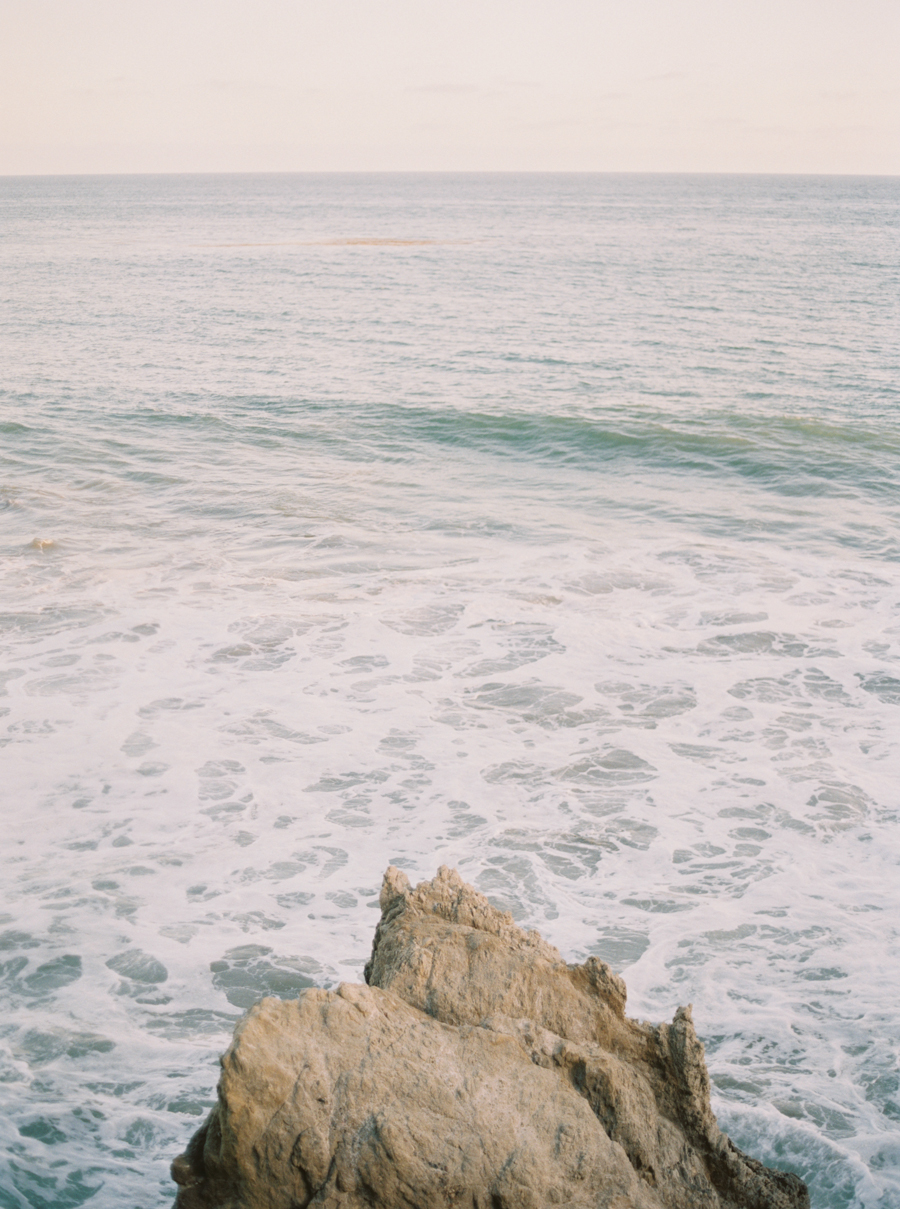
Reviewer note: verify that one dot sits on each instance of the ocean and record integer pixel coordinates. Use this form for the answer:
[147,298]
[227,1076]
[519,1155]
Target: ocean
[542,526]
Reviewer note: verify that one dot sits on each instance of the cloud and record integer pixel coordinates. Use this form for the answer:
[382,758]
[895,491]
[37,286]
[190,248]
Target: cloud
[241,86]
[112,88]
[445,88]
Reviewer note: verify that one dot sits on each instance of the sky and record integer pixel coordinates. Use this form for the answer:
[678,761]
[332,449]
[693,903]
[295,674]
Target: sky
[412,85]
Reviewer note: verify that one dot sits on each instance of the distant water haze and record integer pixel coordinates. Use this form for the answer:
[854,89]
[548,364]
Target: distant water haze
[198,85]
[547,527]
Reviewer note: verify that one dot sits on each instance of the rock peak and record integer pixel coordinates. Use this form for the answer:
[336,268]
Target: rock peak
[476,1068]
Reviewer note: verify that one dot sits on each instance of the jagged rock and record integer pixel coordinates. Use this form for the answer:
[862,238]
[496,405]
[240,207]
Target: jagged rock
[476,1069]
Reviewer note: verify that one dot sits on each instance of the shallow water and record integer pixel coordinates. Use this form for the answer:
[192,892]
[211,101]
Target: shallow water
[546,527]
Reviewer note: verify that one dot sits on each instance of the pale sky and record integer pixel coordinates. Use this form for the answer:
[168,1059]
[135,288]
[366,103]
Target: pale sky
[348,85]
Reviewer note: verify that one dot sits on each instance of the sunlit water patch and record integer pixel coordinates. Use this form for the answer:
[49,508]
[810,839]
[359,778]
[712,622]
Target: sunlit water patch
[546,528]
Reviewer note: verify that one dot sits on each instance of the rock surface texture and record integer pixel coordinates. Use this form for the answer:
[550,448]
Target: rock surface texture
[476,1069]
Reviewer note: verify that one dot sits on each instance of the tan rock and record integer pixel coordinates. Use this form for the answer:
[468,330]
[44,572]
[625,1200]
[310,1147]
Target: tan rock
[477,1069]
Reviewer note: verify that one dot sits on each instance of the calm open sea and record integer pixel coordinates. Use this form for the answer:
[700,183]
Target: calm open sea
[543,526]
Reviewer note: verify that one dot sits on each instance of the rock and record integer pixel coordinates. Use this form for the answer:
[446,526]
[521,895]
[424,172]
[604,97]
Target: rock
[476,1069]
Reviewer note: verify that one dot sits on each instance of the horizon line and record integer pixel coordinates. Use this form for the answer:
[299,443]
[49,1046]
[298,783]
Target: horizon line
[451,172]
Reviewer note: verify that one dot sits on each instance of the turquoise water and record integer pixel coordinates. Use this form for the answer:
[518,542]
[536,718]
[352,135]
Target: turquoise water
[544,526]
